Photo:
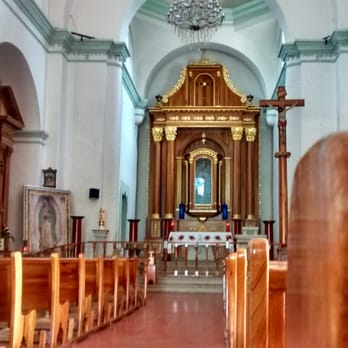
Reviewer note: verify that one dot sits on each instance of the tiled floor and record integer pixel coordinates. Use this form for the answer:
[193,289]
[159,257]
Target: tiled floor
[167,321]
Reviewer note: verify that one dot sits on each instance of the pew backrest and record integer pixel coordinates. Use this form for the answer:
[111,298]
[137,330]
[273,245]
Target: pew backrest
[21,325]
[72,286]
[110,286]
[277,303]
[317,296]
[258,290]
[94,284]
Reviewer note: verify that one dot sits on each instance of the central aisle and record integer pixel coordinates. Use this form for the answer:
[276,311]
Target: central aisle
[170,320]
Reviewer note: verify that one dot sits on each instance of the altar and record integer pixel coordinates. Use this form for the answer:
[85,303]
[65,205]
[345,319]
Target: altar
[180,238]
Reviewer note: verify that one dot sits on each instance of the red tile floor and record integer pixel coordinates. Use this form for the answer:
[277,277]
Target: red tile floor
[169,320]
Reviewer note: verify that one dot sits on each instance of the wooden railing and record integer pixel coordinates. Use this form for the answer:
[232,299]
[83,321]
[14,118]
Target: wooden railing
[197,259]
[189,259]
[102,248]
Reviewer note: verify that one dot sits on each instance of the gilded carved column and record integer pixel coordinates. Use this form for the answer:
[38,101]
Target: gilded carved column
[227,188]
[237,134]
[170,133]
[157,134]
[250,134]
[179,188]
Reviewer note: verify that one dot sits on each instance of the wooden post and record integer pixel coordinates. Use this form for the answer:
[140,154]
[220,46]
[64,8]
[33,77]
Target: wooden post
[282,105]
[133,230]
[76,234]
[168,227]
[269,234]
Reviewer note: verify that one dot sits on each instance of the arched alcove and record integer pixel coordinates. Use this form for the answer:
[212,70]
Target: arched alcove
[25,158]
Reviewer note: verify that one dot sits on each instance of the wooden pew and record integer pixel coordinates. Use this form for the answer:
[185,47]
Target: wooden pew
[94,290]
[133,284]
[19,325]
[258,290]
[110,288]
[241,298]
[255,309]
[72,289]
[141,271]
[277,303]
[123,286]
[317,297]
[266,297]
[41,291]
[231,299]
[235,298]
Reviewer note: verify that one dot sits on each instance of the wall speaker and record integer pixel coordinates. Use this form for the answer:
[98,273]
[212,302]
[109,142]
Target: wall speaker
[93,193]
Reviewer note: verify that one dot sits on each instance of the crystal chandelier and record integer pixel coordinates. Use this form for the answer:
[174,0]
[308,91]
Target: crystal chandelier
[195,20]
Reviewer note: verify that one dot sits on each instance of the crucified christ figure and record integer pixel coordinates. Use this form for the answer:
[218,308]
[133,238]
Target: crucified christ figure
[282,105]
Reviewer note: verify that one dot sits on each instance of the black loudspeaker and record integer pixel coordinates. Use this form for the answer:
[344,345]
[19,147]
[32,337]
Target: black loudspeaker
[94,193]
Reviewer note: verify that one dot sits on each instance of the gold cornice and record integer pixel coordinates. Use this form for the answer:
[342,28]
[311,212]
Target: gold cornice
[205,61]
[230,85]
[195,109]
[194,118]
[176,87]
[203,152]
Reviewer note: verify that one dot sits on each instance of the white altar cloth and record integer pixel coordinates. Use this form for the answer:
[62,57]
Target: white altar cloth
[199,238]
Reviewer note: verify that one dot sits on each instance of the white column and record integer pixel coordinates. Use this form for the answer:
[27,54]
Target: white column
[111,139]
[342,87]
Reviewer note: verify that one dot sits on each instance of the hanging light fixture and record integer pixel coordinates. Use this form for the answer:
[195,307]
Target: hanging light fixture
[195,20]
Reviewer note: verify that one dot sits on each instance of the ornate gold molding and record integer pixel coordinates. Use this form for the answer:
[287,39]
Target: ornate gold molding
[177,86]
[237,133]
[230,85]
[250,133]
[170,133]
[203,152]
[157,134]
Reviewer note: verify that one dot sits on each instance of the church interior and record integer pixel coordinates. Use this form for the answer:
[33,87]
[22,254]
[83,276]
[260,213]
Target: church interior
[170,144]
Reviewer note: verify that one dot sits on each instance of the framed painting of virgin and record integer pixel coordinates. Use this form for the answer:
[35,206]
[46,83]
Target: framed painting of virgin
[46,217]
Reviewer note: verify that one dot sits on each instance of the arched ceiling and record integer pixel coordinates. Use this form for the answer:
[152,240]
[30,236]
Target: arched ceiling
[235,11]
[248,42]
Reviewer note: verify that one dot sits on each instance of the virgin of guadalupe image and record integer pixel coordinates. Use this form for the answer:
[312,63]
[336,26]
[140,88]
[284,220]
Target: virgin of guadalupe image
[47,222]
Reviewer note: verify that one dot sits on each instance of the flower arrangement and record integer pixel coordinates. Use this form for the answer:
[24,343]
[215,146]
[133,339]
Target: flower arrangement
[5,233]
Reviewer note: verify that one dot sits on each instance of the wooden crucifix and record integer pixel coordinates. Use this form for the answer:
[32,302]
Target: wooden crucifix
[282,105]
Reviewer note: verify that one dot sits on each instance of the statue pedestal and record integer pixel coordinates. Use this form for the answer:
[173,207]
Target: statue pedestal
[100,235]
[248,232]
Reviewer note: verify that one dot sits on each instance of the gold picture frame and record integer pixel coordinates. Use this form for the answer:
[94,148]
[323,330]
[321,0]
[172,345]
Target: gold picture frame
[49,176]
[46,217]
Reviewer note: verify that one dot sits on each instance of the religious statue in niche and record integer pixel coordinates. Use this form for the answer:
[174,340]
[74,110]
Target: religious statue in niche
[101,218]
[203,181]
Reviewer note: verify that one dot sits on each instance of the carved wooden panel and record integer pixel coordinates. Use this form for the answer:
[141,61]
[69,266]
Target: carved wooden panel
[10,121]
[203,107]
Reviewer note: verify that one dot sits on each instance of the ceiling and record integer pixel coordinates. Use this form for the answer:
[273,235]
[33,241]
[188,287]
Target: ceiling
[226,3]
[236,11]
